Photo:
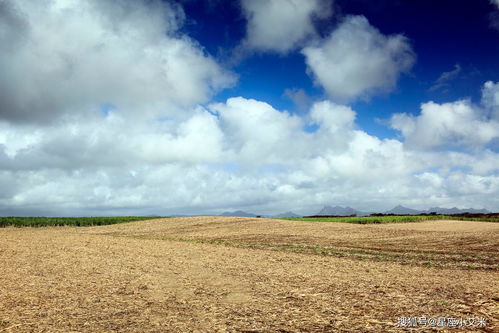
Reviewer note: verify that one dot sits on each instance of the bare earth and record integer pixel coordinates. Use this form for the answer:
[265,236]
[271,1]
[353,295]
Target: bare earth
[226,274]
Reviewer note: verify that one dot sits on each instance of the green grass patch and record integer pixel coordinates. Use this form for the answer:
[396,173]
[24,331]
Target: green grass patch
[68,221]
[387,219]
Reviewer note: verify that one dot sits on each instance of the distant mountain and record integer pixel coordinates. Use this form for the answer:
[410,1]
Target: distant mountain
[238,213]
[337,210]
[455,210]
[401,210]
[287,214]
[476,211]
[444,211]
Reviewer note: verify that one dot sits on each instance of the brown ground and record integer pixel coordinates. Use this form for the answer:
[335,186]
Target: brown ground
[228,274]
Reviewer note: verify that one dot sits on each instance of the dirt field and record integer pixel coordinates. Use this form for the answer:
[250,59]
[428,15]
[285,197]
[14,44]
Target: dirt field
[227,274]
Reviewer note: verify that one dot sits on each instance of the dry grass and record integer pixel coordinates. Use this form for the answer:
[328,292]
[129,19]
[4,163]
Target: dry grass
[433,243]
[135,277]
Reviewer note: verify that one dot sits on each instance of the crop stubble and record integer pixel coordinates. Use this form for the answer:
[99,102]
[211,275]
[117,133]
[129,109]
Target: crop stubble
[223,274]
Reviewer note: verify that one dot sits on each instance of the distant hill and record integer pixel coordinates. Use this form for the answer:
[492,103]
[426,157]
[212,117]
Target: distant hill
[455,210]
[337,210]
[287,214]
[238,213]
[340,211]
[401,210]
[348,211]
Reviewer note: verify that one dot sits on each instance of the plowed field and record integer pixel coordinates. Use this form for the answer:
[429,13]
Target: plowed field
[226,274]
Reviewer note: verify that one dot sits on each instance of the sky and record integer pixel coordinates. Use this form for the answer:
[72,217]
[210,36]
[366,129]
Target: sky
[151,107]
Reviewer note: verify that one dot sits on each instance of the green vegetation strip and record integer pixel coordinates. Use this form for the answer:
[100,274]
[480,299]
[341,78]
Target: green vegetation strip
[388,219]
[68,221]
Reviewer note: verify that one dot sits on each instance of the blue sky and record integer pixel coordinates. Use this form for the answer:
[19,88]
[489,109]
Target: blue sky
[198,107]
[443,35]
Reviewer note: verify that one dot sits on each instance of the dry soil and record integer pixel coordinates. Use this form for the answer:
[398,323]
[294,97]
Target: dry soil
[225,274]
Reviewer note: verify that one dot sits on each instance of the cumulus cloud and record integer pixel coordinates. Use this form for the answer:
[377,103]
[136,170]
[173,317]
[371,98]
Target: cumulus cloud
[452,124]
[64,56]
[259,134]
[356,60]
[280,25]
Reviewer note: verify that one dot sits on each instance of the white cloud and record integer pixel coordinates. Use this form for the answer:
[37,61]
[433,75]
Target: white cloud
[454,124]
[258,133]
[495,2]
[112,141]
[333,117]
[356,60]
[64,56]
[280,25]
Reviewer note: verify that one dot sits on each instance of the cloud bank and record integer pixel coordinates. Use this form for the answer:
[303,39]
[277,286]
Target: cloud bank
[245,154]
